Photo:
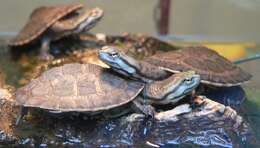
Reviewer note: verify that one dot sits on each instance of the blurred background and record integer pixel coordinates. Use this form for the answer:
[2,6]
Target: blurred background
[219,20]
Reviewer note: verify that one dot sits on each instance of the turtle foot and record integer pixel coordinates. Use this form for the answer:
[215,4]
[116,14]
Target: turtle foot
[171,115]
[148,110]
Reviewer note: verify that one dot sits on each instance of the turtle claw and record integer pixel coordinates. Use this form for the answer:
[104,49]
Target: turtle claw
[148,110]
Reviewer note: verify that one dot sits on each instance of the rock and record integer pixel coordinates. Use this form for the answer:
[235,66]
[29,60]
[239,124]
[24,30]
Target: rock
[210,123]
[7,114]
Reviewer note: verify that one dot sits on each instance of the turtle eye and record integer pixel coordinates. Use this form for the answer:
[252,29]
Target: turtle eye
[114,55]
[188,80]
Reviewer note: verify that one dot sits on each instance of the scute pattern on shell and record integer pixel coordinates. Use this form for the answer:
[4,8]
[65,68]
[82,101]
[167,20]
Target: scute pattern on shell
[78,87]
[40,20]
[212,67]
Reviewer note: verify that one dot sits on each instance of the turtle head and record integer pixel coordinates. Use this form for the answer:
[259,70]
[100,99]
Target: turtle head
[185,83]
[173,88]
[118,60]
[89,18]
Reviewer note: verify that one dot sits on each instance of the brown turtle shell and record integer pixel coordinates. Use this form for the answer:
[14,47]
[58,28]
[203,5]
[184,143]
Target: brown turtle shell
[78,87]
[40,20]
[213,68]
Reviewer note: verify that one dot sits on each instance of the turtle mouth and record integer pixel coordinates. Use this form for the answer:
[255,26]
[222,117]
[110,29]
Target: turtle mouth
[103,56]
[191,88]
[106,57]
[95,15]
[196,79]
[116,63]
[188,90]
[179,97]
[89,19]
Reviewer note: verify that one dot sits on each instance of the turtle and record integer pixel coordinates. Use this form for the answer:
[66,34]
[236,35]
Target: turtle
[216,71]
[140,44]
[49,23]
[213,68]
[90,89]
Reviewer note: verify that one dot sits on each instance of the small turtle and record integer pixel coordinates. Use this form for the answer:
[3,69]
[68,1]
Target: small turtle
[214,69]
[48,23]
[90,88]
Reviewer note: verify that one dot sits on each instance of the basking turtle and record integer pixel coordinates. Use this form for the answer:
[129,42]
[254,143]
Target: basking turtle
[223,77]
[214,69]
[90,88]
[48,23]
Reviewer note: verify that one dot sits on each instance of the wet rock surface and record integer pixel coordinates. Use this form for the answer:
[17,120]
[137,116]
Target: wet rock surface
[210,123]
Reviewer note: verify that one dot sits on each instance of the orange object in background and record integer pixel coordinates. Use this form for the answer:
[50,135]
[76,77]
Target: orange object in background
[232,51]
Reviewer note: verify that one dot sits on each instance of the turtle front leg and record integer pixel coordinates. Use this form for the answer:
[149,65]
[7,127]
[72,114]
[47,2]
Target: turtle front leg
[45,49]
[148,110]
